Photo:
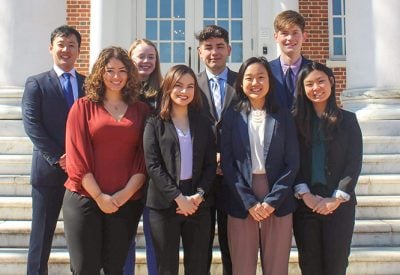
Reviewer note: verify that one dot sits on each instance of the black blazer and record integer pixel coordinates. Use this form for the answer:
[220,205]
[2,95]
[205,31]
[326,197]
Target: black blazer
[343,159]
[281,92]
[162,156]
[281,154]
[44,115]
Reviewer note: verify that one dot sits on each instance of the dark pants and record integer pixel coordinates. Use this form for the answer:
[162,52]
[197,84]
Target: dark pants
[167,228]
[97,240]
[46,206]
[324,242]
[220,217]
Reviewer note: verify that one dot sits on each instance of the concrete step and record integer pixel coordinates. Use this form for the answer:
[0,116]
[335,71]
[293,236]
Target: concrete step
[376,184]
[15,146]
[15,234]
[15,185]
[381,164]
[385,127]
[378,207]
[369,207]
[12,128]
[15,164]
[373,184]
[381,144]
[362,261]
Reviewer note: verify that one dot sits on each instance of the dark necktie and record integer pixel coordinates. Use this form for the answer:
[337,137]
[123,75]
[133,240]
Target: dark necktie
[289,81]
[67,89]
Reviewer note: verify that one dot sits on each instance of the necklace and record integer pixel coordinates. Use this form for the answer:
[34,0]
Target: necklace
[115,107]
[183,132]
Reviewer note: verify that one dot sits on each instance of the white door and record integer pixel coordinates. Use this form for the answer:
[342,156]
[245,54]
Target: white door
[172,24]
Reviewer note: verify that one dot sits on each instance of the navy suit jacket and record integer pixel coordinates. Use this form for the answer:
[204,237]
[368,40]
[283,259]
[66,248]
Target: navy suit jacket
[281,161]
[44,115]
[283,95]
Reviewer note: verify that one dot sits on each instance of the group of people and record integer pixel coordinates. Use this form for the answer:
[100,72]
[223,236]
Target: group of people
[259,152]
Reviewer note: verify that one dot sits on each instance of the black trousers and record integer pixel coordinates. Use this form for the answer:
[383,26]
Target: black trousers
[220,218]
[97,240]
[324,242]
[46,206]
[167,228]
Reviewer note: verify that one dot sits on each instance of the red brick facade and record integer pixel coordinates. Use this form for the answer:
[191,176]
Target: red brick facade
[316,47]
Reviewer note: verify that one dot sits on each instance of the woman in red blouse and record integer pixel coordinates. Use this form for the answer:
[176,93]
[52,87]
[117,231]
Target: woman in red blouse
[105,165]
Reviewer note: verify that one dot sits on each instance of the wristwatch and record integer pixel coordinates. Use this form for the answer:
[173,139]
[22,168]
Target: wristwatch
[201,192]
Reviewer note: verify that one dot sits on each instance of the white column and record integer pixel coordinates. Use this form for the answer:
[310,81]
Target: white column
[25,28]
[373,64]
[112,23]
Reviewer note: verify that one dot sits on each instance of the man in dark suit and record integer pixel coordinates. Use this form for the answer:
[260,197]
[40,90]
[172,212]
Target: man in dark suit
[289,35]
[217,85]
[45,104]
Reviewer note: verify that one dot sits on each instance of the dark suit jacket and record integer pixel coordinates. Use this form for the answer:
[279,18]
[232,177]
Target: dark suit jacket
[281,161]
[163,162]
[343,159]
[44,114]
[220,191]
[208,103]
[283,95]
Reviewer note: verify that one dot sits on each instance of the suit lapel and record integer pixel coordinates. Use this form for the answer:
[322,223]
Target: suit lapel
[229,91]
[268,133]
[80,79]
[205,88]
[244,131]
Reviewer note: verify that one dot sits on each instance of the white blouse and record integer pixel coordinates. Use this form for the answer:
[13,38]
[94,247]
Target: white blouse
[256,129]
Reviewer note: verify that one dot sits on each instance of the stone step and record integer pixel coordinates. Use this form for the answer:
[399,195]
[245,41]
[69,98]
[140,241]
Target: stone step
[378,207]
[15,146]
[15,234]
[374,184]
[381,144]
[12,128]
[363,260]
[381,164]
[369,207]
[15,164]
[385,127]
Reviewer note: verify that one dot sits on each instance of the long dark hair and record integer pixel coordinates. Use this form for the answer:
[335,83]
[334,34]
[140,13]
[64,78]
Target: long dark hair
[244,103]
[304,110]
[168,84]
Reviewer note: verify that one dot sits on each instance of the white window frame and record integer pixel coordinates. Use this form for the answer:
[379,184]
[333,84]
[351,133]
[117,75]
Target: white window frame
[336,60]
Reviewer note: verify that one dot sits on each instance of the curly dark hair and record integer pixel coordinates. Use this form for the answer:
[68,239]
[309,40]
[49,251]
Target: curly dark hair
[94,83]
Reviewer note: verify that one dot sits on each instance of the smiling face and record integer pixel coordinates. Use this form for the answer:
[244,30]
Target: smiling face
[318,88]
[144,56]
[183,91]
[290,41]
[256,84]
[115,76]
[65,51]
[214,52]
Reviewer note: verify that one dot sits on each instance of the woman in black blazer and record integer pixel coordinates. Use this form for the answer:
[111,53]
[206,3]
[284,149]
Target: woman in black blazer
[331,157]
[180,159]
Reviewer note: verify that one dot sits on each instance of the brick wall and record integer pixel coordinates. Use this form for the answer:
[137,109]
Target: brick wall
[78,16]
[317,45]
[315,48]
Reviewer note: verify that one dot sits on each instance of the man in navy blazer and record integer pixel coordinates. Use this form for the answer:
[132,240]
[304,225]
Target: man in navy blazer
[289,35]
[45,109]
[214,50]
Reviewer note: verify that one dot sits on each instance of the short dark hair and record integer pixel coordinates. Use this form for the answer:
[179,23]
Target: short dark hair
[243,103]
[212,31]
[66,31]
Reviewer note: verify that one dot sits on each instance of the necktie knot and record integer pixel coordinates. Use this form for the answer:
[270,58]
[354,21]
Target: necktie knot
[67,76]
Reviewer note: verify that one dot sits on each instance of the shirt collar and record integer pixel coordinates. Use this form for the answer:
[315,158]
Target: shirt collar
[295,66]
[59,71]
[223,75]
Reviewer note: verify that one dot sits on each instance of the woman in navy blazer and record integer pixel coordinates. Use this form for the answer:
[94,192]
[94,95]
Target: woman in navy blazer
[260,159]
[180,158]
[331,157]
